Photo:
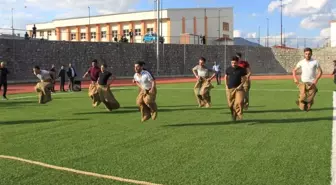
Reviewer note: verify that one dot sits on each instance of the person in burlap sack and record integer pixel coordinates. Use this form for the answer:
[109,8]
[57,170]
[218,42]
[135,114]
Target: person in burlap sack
[203,85]
[235,78]
[309,80]
[44,87]
[146,99]
[247,84]
[104,91]
[93,72]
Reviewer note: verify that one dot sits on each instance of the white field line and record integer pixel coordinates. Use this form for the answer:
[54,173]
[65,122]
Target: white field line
[76,171]
[333,145]
[173,88]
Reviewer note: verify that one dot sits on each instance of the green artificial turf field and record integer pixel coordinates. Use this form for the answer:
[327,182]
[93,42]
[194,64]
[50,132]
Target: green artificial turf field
[275,143]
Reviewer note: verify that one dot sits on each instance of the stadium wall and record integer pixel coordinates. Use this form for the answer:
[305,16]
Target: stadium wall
[175,60]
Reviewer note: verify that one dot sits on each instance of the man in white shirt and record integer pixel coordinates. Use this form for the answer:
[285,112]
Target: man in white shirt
[45,85]
[217,69]
[309,79]
[147,95]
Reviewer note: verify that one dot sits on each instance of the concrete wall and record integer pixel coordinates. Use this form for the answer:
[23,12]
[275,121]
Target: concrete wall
[290,57]
[22,55]
[176,60]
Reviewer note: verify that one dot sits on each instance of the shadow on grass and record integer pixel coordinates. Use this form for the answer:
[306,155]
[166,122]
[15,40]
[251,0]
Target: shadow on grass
[102,111]
[14,103]
[288,110]
[253,122]
[136,110]
[32,121]
[179,107]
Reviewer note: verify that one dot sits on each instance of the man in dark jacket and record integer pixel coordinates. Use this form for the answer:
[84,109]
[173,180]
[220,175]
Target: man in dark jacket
[3,79]
[61,75]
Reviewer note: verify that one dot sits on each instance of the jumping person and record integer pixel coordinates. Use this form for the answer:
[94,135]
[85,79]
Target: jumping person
[3,80]
[143,68]
[146,99]
[104,90]
[309,79]
[203,85]
[93,72]
[235,78]
[45,85]
[247,84]
[217,69]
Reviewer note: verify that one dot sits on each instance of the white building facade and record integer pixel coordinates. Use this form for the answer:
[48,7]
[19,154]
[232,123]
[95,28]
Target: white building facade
[333,33]
[179,26]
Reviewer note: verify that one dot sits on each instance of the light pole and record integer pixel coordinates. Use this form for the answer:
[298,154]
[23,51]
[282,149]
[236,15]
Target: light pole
[12,21]
[89,15]
[161,18]
[267,33]
[281,24]
[219,23]
[259,35]
[89,31]
[158,37]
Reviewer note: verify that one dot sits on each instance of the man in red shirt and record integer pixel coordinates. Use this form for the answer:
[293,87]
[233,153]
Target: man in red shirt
[247,84]
[94,72]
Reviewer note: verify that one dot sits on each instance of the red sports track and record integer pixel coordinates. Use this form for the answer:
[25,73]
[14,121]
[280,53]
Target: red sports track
[28,88]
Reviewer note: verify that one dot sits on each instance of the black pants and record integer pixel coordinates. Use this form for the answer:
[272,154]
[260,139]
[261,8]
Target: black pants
[4,85]
[62,82]
[71,83]
[53,87]
[218,78]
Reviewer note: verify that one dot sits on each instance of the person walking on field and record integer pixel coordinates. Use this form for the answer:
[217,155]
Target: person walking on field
[309,79]
[61,75]
[217,69]
[72,75]
[235,78]
[3,80]
[53,80]
[247,84]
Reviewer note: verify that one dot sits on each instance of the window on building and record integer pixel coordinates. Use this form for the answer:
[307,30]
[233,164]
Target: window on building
[93,35]
[49,33]
[137,32]
[114,33]
[83,36]
[73,36]
[55,32]
[103,34]
[226,26]
[41,33]
[126,32]
[150,30]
